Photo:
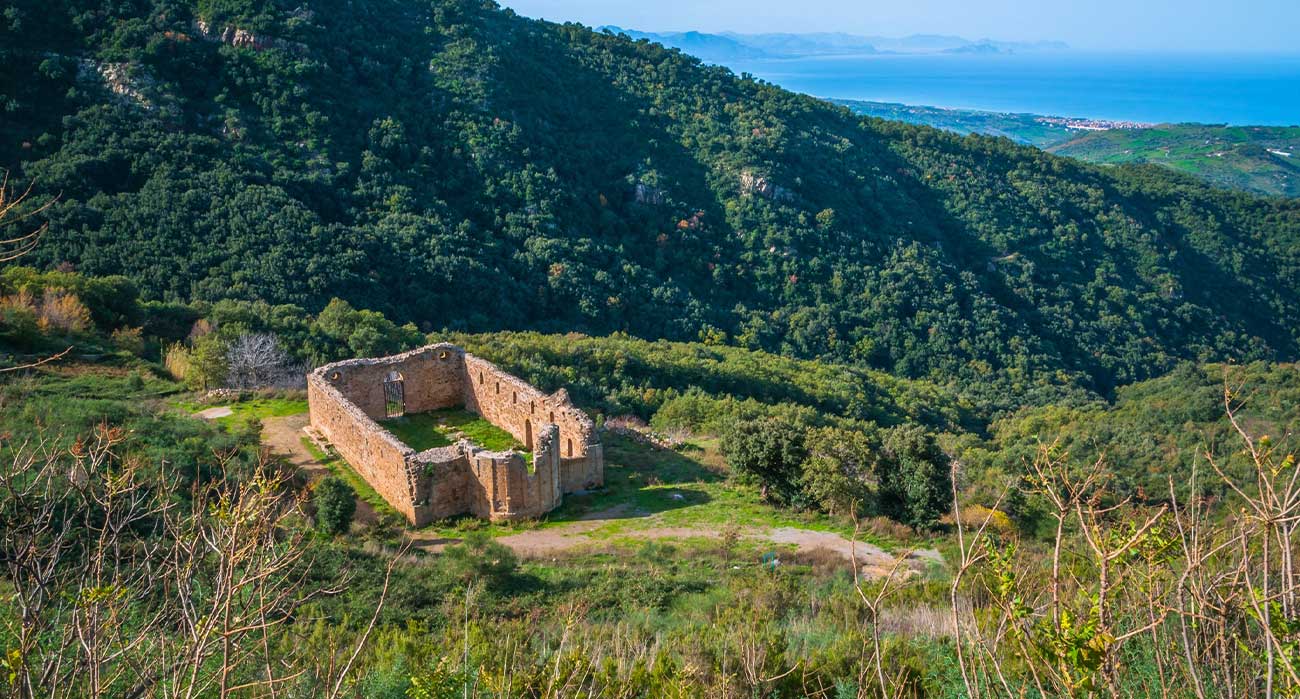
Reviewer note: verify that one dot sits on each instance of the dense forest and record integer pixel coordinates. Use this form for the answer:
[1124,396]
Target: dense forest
[453,165]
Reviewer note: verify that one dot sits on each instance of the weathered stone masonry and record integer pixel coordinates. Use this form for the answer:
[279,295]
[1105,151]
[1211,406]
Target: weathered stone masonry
[347,399]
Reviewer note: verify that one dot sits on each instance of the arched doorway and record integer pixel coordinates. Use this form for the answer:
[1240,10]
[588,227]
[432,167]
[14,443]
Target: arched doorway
[394,395]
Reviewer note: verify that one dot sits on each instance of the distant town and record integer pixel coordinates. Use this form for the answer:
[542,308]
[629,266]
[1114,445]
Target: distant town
[1091,124]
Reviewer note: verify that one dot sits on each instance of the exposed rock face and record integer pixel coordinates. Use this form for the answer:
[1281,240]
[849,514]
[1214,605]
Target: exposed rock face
[347,398]
[122,79]
[242,38]
[751,184]
[645,194]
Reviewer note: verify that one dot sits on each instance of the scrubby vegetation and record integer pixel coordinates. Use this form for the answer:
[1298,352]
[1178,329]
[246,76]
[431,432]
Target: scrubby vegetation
[1148,488]
[335,503]
[1075,591]
[1080,541]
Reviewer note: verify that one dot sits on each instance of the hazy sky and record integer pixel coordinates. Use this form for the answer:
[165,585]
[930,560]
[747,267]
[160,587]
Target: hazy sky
[1191,25]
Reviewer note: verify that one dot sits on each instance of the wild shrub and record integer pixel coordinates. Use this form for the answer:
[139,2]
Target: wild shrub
[177,361]
[18,322]
[915,487]
[208,363]
[62,311]
[838,474]
[55,311]
[336,503]
[129,339]
[770,453]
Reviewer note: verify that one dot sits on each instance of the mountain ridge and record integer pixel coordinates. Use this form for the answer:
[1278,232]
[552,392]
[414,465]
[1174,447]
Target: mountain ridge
[719,47]
[465,168]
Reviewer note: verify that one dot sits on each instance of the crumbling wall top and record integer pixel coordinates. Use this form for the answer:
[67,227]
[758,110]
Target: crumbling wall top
[443,350]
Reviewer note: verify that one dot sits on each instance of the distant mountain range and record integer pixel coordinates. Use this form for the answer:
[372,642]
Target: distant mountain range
[728,46]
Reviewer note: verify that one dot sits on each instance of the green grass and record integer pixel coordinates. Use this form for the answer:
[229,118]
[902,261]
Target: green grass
[1236,157]
[646,480]
[438,429]
[251,409]
[642,485]
[341,469]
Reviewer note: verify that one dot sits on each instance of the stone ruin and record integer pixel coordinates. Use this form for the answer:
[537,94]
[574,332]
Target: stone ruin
[347,399]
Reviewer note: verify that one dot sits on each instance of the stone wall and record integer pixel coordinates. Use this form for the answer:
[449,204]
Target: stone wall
[432,378]
[376,455]
[520,409]
[346,399]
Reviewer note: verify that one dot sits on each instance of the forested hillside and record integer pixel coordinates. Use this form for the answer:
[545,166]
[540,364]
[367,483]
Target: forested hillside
[451,164]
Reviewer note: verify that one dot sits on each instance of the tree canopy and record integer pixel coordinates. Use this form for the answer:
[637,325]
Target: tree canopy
[450,164]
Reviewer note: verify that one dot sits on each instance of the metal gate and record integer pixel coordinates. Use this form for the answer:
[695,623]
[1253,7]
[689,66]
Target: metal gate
[394,396]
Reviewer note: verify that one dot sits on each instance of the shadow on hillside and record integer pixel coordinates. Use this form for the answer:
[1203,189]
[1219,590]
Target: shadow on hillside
[663,466]
[641,480]
[633,503]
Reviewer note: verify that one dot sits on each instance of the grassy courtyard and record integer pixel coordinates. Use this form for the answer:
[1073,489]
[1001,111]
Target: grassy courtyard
[442,428]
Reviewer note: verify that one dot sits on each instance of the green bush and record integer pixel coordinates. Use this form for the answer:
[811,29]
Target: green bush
[207,363]
[770,452]
[18,326]
[335,502]
[838,476]
[915,482]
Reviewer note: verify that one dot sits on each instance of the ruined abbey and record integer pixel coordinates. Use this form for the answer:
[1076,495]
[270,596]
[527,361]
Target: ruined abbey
[348,399]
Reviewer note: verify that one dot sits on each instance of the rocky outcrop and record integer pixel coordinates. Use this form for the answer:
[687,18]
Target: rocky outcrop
[643,193]
[129,82]
[753,184]
[242,38]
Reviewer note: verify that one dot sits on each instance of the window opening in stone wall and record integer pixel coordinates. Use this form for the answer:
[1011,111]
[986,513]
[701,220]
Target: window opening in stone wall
[394,395]
[514,397]
[442,355]
[498,388]
[528,434]
[532,408]
[480,378]
[568,447]
[552,420]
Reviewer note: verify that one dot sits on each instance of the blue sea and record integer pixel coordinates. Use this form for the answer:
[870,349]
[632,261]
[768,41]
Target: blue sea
[1215,89]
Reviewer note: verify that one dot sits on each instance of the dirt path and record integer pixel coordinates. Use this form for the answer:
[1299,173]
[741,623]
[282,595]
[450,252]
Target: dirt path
[284,435]
[544,542]
[541,543]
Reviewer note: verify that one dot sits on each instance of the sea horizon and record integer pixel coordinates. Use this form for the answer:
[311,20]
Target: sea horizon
[1244,89]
